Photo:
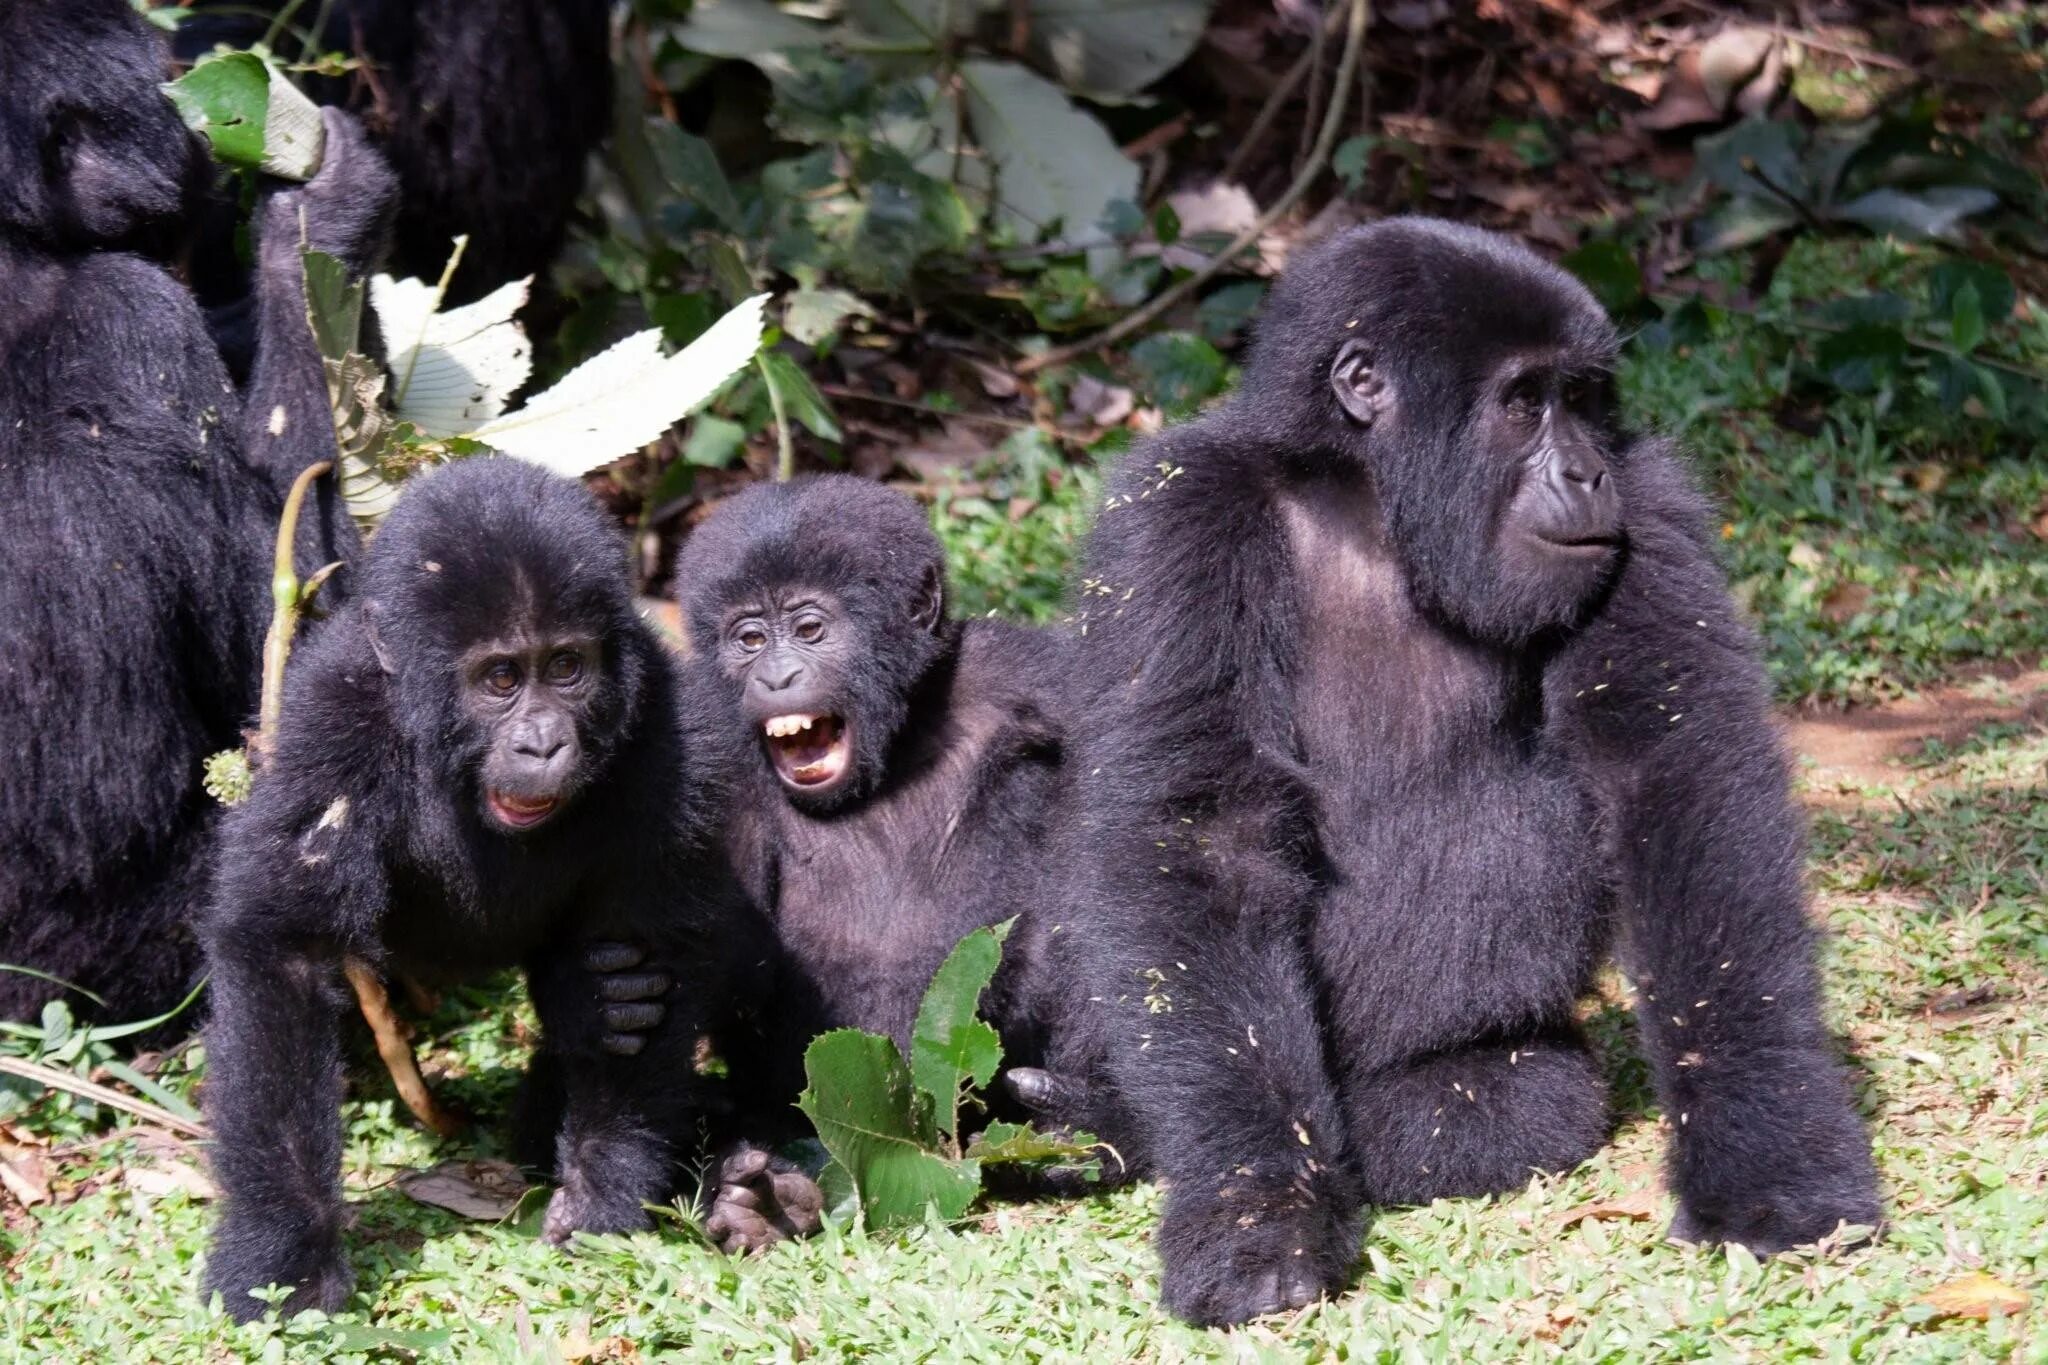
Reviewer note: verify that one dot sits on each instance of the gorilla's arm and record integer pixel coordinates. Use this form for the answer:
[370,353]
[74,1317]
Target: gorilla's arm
[1195,864]
[345,211]
[1674,709]
[300,884]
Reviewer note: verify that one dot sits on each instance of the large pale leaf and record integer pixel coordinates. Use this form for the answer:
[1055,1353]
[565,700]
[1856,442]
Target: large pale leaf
[625,397]
[451,372]
[858,1095]
[1054,165]
[251,116]
[1115,47]
[950,1047]
[751,30]
[1936,212]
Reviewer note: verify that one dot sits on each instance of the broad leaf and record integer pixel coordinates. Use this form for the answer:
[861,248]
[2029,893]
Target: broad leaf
[454,371]
[626,396]
[1020,1144]
[1611,273]
[1053,164]
[813,315]
[1966,318]
[1862,358]
[1935,213]
[1995,292]
[859,1097]
[1180,370]
[800,396]
[1114,47]
[252,117]
[751,30]
[1742,221]
[334,304]
[692,170]
[950,1047]
[713,441]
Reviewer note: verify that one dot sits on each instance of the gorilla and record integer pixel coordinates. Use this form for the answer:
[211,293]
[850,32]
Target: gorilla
[143,494]
[908,770]
[1415,693]
[488,109]
[486,759]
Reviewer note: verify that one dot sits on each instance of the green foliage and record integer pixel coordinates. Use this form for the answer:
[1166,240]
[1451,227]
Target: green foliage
[1180,370]
[226,99]
[892,1128]
[228,777]
[86,1050]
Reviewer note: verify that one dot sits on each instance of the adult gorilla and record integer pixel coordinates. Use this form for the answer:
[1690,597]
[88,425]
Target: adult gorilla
[1420,692]
[142,493]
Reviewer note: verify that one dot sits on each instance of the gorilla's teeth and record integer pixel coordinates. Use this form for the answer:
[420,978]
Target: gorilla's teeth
[783,726]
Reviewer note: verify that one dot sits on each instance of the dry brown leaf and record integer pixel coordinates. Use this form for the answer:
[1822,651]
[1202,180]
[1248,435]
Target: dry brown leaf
[485,1190]
[1975,1295]
[1844,600]
[25,1174]
[177,1178]
[1637,1207]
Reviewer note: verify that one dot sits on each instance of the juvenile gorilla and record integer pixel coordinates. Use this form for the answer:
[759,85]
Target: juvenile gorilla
[1419,692]
[142,496]
[485,760]
[907,771]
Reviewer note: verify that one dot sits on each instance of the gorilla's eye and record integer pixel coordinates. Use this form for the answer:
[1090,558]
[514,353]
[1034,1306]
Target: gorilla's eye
[810,630]
[565,667]
[1524,397]
[502,677]
[751,637]
[1579,394]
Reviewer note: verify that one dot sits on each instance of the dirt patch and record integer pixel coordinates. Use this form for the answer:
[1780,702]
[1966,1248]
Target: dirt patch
[1864,745]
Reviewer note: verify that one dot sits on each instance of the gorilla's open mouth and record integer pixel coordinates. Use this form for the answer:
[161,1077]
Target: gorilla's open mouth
[808,751]
[520,812]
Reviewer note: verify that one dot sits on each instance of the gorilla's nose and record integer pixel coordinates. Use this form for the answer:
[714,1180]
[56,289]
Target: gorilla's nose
[1583,503]
[770,682]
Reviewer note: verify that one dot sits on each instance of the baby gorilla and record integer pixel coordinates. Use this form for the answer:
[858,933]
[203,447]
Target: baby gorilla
[485,760]
[908,768]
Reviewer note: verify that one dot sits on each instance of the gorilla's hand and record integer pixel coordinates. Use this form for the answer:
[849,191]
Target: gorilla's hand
[1240,1251]
[345,210]
[762,1199]
[632,995]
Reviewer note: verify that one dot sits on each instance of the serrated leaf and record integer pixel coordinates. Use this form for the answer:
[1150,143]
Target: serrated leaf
[226,100]
[624,397]
[1053,163]
[950,1047]
[1020,1144]
[454,371]
[334,304]
[859,1097]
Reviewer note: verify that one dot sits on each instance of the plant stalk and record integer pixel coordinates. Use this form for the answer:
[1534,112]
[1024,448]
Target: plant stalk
[286,601]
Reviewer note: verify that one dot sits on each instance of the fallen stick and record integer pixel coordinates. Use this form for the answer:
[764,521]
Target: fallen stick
[397,1052]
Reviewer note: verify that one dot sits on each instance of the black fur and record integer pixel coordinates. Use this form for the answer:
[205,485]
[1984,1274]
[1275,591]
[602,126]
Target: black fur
[143,494]
[957,774]
[488,109]
[371,834]
[1369,791]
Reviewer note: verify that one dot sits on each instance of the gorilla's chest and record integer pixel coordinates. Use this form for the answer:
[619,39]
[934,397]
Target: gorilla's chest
[1457,846]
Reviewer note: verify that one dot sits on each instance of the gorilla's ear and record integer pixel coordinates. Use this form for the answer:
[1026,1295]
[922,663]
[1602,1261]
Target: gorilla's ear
[1361,390]
[384,659]
[928,608]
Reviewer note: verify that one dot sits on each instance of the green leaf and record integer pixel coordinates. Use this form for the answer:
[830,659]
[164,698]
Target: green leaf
[713,441]
[1611,273]
[1353,158]
[950,1048]
[1054,164]
[813,315]
[1225,312]
[800,396]
[1743,221]
[1020,1144]
[1934,213]
[859,1097]
[226,100]
[1180,370]
[1863,358]
[750,30]
[1114,47]
[1995,292]
[692,170]
[334,305]
[1966,318]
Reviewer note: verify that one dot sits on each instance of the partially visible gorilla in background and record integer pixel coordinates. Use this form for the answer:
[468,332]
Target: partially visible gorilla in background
[1415,692]
[142,494]
[488,109]
[907,771]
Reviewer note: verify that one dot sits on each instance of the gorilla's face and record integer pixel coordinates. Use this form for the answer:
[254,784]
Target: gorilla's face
[821,679]
[530,694]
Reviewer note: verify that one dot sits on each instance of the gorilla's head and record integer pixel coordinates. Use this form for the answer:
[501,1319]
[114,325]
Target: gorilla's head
[497,597]
[823,602]
[91,152]
[1472,381]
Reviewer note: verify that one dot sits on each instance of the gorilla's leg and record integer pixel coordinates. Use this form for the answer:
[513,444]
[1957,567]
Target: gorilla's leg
[1478,1120]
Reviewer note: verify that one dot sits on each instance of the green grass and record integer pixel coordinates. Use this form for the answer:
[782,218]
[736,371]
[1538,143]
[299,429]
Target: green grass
[1932,883]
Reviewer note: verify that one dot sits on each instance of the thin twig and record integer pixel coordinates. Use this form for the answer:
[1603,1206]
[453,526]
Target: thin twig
[1354,40]
[71,1083]
[397,1052]
[1281,94]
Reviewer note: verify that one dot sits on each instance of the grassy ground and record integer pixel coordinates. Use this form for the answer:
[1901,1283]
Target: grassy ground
[1870,575]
